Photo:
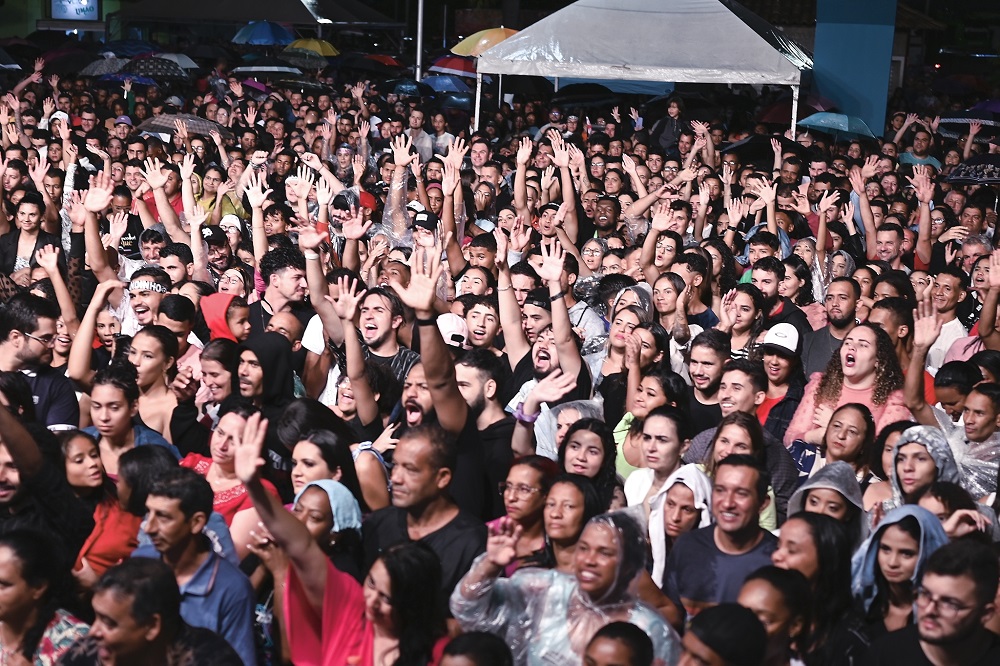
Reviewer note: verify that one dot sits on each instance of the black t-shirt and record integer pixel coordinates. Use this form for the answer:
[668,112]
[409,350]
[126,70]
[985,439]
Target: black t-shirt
[525,371]
[903,647]
[497,458]
[705,416]
[456,544]
[55,399]
[259,318]
[790,313]
[129,243]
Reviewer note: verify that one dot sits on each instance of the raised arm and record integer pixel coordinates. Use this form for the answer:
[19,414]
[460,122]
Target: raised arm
[926,329]
[346,308]
[47,257]
[551,271]
[515,341]
[647,256]
[287,531]
[168,216]
[560,158]
[449,185]
[257,195]
[78,368]
[550,388]
[439,368]
[988,317]
[924,189]
[524,151]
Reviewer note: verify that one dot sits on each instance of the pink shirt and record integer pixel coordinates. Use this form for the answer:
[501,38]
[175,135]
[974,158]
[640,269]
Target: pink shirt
[893,410]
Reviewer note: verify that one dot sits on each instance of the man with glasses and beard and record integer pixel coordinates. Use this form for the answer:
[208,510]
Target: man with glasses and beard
[27,336]
[954,602]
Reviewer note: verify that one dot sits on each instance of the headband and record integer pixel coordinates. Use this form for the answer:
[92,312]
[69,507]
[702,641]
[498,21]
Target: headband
[146,285]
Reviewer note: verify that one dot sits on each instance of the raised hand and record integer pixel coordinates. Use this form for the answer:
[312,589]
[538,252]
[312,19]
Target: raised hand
[457,150]
[633,113]
[324,192]
[346,303]
[248,447]
[520,235]
[47,257]
[974,128]
[355,227]
[365,130]
[995,270]
[776,147]
[830,199]
[195,219]
[524,150]
[401,151]
[301,184]
[560,154]
[118,224]
[616,115]
[237,88]
[768,192]
[926,325]
[39,64]
[251,116]
[847,210]
[358,90]
[185,386]
[548,177]
[38,173]
[153,175]
[358,165]
[553,387]
[449,183]
[553,258]
[700,128]
[426,270]
[187,167]
[502,244]
[48,107]
[662,217]
[98,197]
[255,192]
[501,544]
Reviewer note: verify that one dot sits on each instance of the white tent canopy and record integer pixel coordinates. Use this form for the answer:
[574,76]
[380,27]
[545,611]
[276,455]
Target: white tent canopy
[695,41]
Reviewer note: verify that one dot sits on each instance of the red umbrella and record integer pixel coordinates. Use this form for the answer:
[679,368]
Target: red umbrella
[454,65]
[386,60]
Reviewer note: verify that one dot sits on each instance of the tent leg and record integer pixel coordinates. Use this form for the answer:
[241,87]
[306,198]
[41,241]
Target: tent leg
[556,86]
[500,90]
[420,40]
[795,109]
[479,95]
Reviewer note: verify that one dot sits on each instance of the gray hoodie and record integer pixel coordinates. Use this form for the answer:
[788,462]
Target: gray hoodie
[840,477]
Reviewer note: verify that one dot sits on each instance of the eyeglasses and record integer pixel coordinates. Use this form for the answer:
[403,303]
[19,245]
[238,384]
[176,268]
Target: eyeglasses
[592,251]
[518,490]
[46,340]
[947,606]
[671,168]
[597,164]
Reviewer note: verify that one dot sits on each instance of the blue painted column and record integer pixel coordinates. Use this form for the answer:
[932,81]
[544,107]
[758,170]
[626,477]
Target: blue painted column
[852,56]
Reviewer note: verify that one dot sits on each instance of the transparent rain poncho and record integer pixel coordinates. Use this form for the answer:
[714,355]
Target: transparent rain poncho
[544,616]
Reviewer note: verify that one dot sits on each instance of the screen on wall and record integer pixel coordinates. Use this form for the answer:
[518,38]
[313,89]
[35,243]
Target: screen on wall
[76,10]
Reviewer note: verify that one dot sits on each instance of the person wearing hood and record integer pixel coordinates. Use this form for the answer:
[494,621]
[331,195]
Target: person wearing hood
[886,569]
[226,316]
[920,457]
[265,377]
[835,492]
[683,503]
[547,616]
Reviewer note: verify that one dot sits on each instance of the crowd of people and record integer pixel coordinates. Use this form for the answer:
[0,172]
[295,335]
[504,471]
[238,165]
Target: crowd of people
[344,380]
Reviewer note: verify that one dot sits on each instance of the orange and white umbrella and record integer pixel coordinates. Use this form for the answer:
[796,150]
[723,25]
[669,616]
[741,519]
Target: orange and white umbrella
[476,44]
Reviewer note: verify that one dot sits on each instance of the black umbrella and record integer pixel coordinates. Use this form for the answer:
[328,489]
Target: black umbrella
[165,124]
[585,95]
[530,86]
[268,67]
[160,69]
[756,149]
[359,63]
[978,170]
[67,62]
[208,52]
[6,62]
[463,101]
[304,86]
[954,125]
[408,88]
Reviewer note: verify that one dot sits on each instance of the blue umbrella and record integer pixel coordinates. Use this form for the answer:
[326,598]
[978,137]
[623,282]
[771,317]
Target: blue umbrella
[446,83]
[837,124]
[264,33]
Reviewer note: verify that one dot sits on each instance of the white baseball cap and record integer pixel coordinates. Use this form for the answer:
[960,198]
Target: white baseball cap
[782,338]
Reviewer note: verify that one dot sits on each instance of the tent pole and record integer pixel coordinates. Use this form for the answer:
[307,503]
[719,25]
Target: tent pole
[795,109]
[500,90]
[479,93]
[420,40]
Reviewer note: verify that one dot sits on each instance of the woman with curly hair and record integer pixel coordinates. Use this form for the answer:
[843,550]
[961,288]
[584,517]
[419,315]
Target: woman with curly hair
[723,268]
[865,371]
[799,288]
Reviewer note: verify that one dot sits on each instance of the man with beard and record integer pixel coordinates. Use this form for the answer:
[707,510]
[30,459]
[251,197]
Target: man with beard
[220,254]
[480,377]
[283,270]
[27,336]
[431,393]
[709,352]
[555,347]
[954,608]
[841,303]
[34,492]
[768,272]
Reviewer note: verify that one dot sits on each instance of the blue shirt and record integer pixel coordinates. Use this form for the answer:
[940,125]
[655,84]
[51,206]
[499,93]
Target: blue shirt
[144,435]
[218,597]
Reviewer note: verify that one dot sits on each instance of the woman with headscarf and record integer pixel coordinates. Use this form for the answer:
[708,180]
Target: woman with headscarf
[683,503]
[549,617]
[887,568]
[834,491]
[920,457]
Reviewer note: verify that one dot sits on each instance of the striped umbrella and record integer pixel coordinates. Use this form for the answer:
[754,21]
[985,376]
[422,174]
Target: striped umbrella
[454,65]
